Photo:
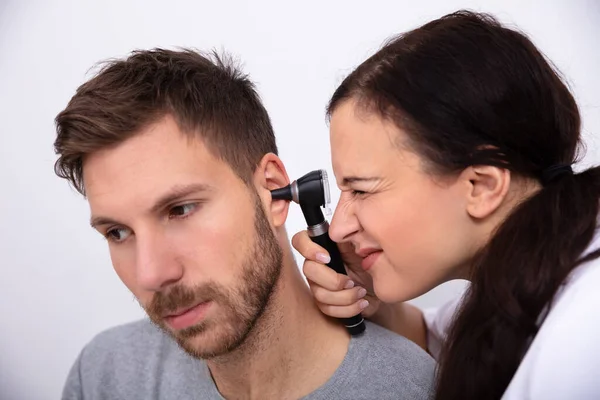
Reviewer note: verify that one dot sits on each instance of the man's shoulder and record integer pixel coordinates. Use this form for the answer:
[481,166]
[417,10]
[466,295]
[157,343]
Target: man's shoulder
[134,360]
[389,344]
[125,350]
[126,337]
[398,365]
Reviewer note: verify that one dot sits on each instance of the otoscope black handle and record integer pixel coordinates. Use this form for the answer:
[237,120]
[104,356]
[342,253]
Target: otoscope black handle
[355,324]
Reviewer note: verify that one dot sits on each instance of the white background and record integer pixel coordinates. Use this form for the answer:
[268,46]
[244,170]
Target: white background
[57,286]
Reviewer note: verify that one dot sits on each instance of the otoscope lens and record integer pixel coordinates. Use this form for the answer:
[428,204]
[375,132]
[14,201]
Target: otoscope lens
[325,187]
[326,194]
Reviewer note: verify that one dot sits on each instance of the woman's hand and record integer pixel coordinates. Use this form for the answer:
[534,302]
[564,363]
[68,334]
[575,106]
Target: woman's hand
[336,295]
[342,296]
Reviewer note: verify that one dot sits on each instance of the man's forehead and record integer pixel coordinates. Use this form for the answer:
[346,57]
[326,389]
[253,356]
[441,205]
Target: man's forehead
[159,149]
[149,166]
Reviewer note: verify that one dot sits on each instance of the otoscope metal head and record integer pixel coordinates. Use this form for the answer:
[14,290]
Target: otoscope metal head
[311,192]
[311,189]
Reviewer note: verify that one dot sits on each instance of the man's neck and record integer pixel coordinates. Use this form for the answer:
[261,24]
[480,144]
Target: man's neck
[292,350]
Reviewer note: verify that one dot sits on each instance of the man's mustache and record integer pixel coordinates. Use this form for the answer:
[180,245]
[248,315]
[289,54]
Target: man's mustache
[181,297]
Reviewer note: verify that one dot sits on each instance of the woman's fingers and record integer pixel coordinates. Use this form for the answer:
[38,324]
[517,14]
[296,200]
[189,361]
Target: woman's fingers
[325,277]
[309,249]
[343,311]
[346,297]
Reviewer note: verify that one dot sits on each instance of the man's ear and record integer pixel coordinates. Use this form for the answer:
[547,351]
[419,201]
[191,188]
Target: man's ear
[487,189]
[271,174]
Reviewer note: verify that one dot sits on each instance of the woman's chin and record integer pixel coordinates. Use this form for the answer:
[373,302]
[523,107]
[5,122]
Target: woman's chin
[397,290]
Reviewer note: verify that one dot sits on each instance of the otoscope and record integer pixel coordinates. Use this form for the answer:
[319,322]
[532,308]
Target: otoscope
[312,192]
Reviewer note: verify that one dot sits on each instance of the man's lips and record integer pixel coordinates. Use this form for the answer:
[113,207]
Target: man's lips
[187,317]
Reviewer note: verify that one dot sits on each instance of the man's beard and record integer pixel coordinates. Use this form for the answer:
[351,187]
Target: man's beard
[239,307]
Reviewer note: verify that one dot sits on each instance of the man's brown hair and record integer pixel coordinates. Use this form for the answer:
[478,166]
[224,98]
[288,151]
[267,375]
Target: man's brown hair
[205,93]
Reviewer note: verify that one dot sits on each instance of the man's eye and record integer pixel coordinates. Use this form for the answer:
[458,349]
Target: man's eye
[117,235]
[358,192]
[182,211]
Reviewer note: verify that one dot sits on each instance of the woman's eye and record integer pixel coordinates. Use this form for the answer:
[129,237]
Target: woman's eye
[358,192]
[182,211]
[118,234]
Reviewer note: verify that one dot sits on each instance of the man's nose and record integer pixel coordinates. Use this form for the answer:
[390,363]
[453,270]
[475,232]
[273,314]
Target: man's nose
[156,265]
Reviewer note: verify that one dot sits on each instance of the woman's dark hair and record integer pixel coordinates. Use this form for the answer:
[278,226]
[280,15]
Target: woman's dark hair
[469,91]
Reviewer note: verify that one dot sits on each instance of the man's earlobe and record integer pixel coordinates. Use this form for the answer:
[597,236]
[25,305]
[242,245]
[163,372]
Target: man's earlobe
[488,188]
[270,175]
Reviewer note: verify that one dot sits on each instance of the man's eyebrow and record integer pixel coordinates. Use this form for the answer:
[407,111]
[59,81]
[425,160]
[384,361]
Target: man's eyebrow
[177,192]
[172,195]
[95,222]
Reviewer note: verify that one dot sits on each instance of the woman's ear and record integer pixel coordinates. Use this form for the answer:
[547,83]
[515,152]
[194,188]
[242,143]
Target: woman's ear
[271,174]
[488,188]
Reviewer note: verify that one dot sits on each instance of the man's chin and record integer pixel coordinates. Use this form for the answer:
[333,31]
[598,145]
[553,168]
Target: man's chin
[200,348]
[205,342]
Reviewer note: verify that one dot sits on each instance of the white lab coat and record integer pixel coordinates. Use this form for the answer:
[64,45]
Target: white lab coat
[563,361]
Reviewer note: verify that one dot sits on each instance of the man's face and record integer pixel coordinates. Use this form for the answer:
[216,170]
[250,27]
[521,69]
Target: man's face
[186,236]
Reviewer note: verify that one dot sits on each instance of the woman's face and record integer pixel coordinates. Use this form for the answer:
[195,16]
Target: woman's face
[412,226]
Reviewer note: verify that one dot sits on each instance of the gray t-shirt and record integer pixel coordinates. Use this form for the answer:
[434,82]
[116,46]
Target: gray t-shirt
[139,361]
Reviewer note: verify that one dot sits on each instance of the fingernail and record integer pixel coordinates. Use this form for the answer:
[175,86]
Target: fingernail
[362,292]
[363,304]
[324,258]
[349,284]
